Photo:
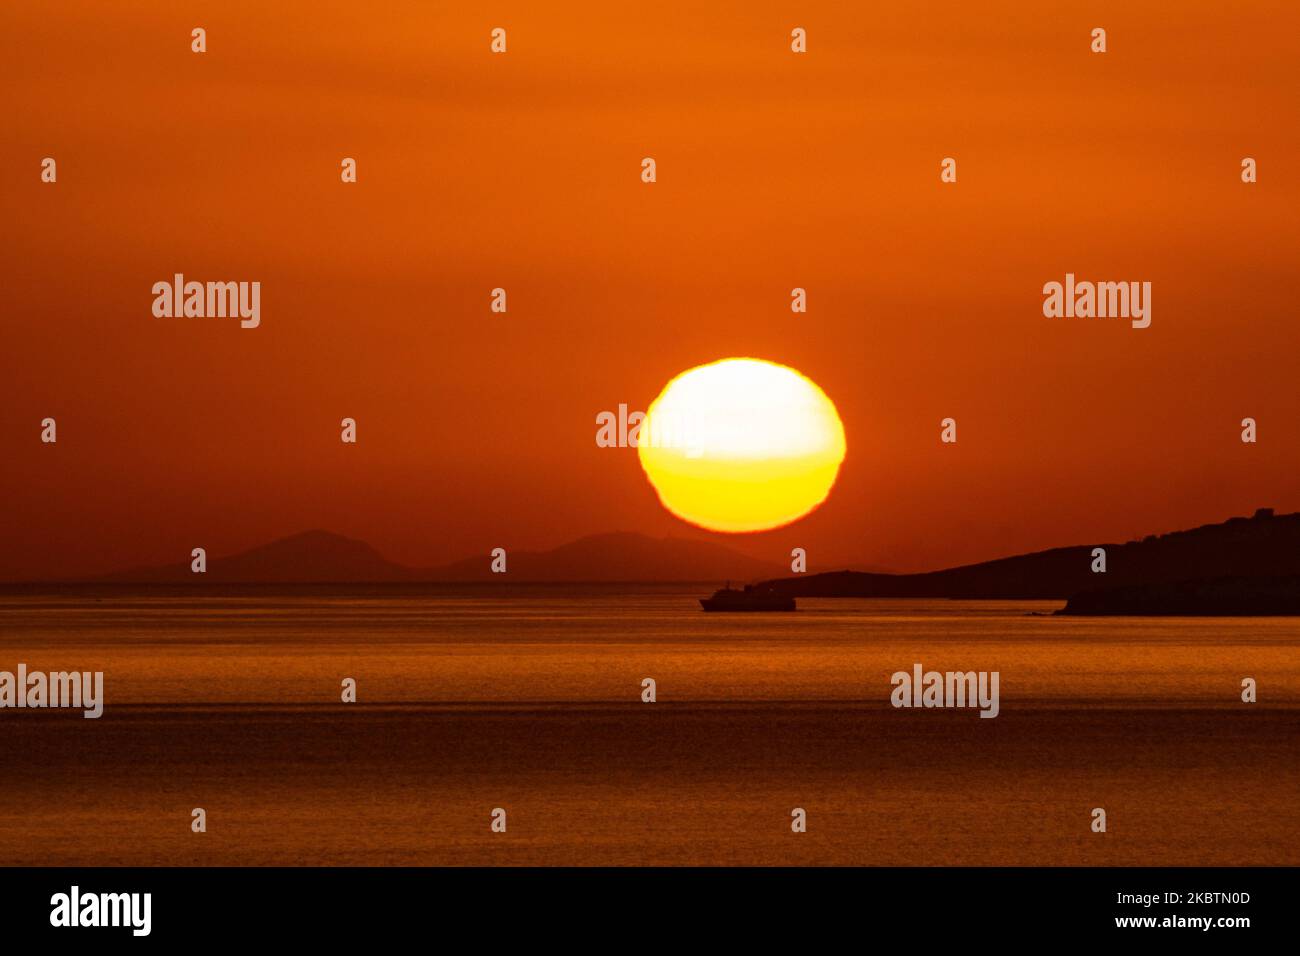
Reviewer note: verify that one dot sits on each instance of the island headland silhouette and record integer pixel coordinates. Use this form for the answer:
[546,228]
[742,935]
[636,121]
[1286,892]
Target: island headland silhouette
[1242,566]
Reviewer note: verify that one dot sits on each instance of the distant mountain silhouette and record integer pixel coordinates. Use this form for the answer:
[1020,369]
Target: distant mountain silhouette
[1265,546]
[618,556]
[320,557]
[305,558]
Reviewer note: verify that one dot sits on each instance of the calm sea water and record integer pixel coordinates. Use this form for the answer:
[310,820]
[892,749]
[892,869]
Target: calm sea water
[530,700]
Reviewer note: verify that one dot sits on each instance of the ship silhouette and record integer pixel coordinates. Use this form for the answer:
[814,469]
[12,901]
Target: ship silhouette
[749,599]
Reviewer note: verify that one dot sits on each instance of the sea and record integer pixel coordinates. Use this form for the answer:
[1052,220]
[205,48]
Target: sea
[511,726]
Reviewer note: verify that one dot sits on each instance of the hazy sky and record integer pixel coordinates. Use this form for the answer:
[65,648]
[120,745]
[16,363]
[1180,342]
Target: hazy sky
[521,170]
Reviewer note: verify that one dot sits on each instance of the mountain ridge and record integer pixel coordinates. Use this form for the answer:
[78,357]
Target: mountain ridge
[1262,546]
[324,557]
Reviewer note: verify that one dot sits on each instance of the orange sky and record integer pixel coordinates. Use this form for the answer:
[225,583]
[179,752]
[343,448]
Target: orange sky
[522,171]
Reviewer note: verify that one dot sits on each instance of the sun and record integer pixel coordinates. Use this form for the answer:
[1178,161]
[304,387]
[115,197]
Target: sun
[741,444]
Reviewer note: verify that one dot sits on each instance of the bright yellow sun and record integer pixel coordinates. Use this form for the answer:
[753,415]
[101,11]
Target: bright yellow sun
[741,445]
